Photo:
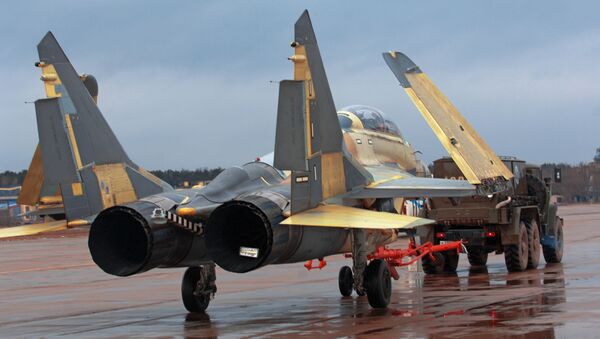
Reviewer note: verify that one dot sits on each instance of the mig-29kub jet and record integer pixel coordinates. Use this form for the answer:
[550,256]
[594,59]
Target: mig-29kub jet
[336,186]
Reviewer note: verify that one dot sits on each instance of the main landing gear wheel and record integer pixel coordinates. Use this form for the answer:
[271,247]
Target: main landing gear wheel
[197,287]
[346,281]
[516,256]
[553,254]
[533,236]
[378,283]
[477,256]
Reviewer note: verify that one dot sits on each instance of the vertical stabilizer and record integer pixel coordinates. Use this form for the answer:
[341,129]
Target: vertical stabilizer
[95,141]
[309,139]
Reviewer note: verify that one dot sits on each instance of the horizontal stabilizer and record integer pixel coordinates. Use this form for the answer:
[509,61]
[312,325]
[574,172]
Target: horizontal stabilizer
[351,217]
[414,187]
[473,156]
[20,231]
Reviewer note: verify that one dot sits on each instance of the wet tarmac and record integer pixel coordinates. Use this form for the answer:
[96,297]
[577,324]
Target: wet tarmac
[50,287]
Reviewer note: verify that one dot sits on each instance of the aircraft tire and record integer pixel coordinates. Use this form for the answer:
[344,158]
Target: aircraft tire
[378,283]
[516,256]
[477,256]
[533,237]
[346,281]
[554,254]
[192,302]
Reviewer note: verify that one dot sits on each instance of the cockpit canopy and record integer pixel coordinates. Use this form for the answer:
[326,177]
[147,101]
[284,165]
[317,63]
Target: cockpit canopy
[366,117]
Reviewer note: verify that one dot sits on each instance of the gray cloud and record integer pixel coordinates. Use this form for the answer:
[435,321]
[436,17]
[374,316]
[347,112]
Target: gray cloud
[188,86]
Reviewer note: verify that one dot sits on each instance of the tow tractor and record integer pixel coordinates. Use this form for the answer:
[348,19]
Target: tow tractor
[519,222]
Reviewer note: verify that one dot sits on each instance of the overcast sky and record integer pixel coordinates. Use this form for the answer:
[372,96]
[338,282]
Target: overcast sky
[188,84]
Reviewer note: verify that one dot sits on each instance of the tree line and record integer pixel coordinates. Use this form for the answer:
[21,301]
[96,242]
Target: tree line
[179,178]
[580,182]
[12,179]
[176,178]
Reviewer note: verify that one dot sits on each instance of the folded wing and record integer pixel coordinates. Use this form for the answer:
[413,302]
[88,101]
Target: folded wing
[473,156]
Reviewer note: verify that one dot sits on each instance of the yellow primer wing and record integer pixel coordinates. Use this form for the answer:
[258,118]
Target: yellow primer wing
[19,231]
[351,217]
[471,153]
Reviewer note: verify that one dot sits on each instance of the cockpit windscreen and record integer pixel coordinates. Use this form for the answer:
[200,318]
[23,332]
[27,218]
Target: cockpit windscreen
[371,119]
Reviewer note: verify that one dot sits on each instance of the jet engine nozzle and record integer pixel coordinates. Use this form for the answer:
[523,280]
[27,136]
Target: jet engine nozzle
[124,240]
[240,234]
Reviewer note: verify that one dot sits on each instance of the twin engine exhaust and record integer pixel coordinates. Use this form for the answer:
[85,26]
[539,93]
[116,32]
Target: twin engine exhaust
[240,236]
[124,240]
[243,235]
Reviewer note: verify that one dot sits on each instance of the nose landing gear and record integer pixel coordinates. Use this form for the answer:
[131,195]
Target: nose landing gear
[198,287]
[375,279]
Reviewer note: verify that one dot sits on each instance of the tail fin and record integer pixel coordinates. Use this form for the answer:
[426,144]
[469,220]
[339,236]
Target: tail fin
[95,141]
[474,157]
[80,153]
[36,190]
[309,140]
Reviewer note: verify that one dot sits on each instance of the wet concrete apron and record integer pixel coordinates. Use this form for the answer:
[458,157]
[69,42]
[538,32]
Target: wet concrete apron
[49,286]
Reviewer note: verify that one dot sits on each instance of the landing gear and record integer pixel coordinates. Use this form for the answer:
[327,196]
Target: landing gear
[516,256]
[346,281]
[359,259]
[375,279]
[198,287]
[378,283]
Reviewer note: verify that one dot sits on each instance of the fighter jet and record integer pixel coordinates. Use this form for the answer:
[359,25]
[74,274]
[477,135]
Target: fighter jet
[335,187]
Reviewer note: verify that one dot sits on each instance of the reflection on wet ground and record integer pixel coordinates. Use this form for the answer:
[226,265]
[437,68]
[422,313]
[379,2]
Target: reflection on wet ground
[49,287]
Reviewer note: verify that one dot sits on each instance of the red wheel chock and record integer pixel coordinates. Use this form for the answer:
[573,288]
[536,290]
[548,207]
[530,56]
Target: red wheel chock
[309,266]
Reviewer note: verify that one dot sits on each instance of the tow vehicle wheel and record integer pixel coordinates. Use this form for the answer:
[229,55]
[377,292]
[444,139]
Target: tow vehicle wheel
[431,266]
[450,261]
[346,281]
[477,256]
[194,302]
[516,256]
[378,283]
[553,254]
[533,237]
